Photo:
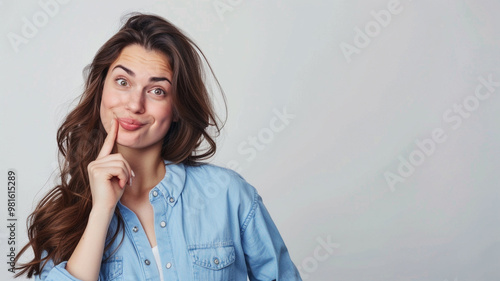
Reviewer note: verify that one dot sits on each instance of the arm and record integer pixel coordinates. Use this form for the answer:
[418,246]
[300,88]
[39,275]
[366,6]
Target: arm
[85,262]
[87,255]
[108,175]
[266,255]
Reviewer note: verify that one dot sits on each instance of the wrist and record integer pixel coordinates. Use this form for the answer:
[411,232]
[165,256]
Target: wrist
[101,212]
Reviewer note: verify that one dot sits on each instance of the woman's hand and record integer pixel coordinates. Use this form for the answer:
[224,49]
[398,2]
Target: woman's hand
[109,173]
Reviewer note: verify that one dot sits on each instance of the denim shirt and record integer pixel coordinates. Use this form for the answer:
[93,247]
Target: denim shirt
[210,224]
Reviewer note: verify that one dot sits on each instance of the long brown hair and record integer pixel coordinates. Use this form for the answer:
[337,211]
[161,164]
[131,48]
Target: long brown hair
[60,218]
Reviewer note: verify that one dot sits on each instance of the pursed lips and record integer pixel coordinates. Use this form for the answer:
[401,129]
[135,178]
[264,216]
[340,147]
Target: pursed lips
[130,124]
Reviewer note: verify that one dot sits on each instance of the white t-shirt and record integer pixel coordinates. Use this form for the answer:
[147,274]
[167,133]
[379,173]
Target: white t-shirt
[156,253]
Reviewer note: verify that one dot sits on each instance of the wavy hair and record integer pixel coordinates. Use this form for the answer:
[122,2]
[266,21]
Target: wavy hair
[60,218]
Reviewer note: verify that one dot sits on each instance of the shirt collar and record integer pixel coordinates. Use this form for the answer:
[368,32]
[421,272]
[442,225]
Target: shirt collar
[172,185]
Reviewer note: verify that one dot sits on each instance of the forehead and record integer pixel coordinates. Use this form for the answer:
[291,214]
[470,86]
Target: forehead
[137,58]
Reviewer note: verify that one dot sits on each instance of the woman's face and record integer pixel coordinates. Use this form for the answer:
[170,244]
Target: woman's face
[137,93]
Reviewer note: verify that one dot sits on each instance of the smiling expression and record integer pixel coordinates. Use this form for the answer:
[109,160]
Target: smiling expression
[137,92]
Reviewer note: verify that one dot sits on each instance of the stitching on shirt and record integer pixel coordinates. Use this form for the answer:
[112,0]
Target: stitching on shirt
[173,270]
[251,214]
[217,244]
[204,256]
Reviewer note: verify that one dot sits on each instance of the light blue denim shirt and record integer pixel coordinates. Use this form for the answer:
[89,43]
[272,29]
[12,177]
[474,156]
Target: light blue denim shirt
[210,224]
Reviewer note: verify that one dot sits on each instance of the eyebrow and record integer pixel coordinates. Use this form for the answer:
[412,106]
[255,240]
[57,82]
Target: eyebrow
[131,73]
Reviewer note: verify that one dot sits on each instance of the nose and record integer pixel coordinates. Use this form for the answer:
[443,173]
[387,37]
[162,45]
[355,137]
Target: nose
[135,102]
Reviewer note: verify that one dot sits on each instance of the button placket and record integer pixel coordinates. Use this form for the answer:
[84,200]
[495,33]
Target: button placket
[162,211]
[139,238]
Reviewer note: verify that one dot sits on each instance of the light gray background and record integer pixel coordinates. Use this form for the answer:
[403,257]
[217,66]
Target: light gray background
[354,119]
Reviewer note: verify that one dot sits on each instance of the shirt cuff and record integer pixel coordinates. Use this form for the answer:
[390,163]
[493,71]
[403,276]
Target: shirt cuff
[59,272]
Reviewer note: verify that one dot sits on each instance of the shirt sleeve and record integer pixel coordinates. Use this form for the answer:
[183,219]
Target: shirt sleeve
[266,255]
[55,273]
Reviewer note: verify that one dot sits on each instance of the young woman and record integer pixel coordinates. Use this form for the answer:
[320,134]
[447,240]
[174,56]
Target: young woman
[135,202]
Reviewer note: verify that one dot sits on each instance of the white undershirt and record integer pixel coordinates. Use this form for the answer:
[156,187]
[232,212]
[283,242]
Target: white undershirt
[156,253]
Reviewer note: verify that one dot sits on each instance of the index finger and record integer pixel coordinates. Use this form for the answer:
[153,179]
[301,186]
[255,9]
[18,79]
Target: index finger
[109,142]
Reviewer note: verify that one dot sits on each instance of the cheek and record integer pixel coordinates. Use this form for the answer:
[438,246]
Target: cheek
[164,119]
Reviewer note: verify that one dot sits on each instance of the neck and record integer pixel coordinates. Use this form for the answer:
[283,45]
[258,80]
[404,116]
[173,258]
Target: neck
[148,167]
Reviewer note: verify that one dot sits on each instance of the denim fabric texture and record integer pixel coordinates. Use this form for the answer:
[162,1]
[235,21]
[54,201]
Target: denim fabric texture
[210,225]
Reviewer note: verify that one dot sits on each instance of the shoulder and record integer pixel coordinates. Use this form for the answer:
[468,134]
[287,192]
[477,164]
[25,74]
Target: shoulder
[217,183]
[208,169]
[212,175]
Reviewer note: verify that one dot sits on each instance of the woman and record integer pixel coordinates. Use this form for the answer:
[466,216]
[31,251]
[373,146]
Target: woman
[135,202]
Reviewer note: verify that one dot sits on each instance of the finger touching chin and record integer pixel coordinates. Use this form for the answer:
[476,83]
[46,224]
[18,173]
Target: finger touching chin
[106,122]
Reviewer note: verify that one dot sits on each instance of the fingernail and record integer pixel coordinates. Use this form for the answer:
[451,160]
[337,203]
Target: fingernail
[133,174]
[130,181]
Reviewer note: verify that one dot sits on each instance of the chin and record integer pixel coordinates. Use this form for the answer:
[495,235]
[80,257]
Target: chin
[134,144]
[128,143]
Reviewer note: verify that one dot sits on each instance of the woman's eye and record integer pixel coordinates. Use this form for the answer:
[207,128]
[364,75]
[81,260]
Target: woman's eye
[158,92]
[122,82]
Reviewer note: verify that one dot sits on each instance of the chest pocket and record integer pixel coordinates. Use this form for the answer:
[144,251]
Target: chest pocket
[111,269]
[213,262]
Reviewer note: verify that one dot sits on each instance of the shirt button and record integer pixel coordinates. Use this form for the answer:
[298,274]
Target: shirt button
[147,262]
[171,199]
[135,229]
[168,266]
[155,193]
[216,261]
[163,224]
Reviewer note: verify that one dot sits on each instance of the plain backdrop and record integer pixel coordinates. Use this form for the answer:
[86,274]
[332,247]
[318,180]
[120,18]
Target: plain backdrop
[370,128]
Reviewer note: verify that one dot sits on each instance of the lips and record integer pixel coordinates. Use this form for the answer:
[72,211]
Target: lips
[130,124]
